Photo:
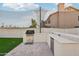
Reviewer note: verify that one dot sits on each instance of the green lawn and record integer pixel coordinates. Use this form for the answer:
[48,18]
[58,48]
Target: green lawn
[7,44]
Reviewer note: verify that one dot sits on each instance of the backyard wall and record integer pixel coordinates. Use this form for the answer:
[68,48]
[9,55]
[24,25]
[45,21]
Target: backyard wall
[38,37]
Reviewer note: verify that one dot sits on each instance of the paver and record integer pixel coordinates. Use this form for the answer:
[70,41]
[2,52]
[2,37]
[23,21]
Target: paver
[36,49]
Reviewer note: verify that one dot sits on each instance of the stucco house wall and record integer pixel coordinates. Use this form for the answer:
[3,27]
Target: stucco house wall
[68,18]
[54,20]
[64,20]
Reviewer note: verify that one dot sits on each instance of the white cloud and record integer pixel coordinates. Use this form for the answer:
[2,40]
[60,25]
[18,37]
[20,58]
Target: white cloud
[20,6]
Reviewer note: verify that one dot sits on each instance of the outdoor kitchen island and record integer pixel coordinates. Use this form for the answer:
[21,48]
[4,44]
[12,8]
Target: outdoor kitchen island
[63,44]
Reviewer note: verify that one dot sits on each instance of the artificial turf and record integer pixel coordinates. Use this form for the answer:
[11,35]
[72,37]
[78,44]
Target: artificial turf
[7,44]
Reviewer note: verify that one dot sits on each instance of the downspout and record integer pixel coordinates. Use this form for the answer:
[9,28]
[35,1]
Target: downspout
[58,19]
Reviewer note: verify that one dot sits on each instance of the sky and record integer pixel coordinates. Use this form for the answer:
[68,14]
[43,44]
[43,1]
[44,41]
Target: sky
[20,14]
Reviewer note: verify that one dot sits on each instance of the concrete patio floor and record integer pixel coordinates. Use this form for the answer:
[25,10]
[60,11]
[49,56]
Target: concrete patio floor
[36,49]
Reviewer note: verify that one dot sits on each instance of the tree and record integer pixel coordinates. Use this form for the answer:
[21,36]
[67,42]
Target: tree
[33,24]
[2,26]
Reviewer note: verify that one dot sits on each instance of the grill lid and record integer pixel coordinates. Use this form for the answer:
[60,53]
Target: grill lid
[30,32]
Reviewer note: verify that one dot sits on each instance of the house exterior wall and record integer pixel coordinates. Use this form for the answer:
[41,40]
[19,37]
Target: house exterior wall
[64,20]
[46,23]
[68,19]
[54,20]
